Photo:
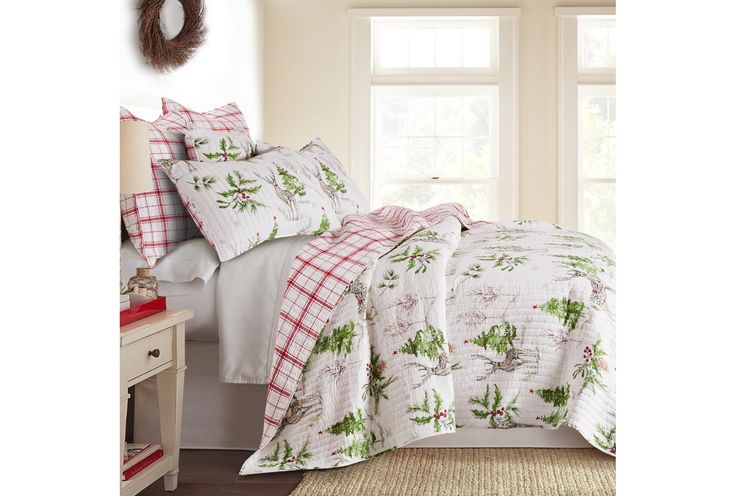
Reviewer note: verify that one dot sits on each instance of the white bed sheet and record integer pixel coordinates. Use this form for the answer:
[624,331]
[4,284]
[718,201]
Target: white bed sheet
[249,293]
[235,303]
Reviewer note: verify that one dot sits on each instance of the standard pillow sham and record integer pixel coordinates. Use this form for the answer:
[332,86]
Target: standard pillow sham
[157,220]
[205,145]
[239,204]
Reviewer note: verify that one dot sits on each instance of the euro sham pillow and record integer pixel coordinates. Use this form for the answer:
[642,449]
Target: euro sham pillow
[157,220]
[205,145]
[226,118]
[239,204]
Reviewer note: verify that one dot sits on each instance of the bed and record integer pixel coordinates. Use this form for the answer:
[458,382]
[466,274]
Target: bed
[225,410]
[325,334]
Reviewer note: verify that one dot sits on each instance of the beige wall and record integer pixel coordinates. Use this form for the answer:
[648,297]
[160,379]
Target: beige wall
[227,67]
[307,82]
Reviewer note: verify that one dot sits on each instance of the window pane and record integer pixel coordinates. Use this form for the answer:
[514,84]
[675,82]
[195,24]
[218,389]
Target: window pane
[421,48]
[444,131]
[431,43]
[394,48]
[421,158]
[597,42]
[449,116]
[476,47]
[449,47]
[597,131]
[450,156]
[481,200]
[599,211]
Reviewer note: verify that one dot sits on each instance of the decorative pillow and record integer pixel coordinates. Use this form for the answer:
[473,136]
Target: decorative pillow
[204,145]
[225,118]
[239,204]
[157,220]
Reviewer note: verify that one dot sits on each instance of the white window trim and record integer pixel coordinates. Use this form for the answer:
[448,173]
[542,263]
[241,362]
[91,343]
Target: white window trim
[568,192]
[508,91]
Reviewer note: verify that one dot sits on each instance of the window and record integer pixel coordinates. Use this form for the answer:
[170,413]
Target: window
[434,108]
[588,121]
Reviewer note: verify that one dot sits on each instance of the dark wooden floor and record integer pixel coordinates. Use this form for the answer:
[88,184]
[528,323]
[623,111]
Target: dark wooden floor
[215,473]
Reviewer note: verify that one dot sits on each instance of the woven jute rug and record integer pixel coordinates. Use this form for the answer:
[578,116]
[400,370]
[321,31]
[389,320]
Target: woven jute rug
[469,471]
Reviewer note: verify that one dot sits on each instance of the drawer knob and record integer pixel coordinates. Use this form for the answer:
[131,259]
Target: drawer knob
[155,353]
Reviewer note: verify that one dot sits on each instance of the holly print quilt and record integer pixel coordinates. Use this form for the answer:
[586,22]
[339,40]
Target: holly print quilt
[404,325]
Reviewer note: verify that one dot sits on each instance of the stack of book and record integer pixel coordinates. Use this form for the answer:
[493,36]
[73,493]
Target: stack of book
[138,456]
[124,302]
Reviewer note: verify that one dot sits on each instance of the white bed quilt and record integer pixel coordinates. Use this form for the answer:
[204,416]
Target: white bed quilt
[504,325]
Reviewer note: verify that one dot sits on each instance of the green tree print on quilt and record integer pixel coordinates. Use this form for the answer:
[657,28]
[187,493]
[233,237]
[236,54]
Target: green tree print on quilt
[499,337]
[359,445]
[339,341]
[567,310]
[429,343]
[507,356]
[412,354]
[558,398]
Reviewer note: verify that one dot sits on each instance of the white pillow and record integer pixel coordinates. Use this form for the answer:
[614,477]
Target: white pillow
[184,270]
[239,204]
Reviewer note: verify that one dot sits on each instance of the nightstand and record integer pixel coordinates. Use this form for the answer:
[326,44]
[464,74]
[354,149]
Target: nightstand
[154,346]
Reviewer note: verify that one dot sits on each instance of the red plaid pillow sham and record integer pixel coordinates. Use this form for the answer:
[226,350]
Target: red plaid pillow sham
[225,118]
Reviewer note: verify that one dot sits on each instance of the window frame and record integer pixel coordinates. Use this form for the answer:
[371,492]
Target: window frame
[570,77]
[504,76]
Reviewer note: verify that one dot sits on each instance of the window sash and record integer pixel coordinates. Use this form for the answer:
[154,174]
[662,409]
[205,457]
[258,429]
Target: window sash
[506,79]
[571,79]
[380,28]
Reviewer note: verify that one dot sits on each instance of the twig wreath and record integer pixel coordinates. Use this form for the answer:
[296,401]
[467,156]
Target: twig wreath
[160,53]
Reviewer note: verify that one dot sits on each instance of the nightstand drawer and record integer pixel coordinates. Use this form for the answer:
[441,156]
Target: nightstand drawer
[146,354]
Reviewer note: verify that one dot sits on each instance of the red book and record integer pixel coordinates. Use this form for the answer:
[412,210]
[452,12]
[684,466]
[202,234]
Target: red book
[142,465]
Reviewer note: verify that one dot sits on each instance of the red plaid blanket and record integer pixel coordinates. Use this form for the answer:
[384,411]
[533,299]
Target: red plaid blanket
[319,276]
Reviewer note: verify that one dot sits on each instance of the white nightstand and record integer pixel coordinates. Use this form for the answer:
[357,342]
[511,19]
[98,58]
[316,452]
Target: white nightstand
[148,347]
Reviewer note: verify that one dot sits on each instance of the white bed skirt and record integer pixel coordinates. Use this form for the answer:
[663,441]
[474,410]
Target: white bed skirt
[217,415]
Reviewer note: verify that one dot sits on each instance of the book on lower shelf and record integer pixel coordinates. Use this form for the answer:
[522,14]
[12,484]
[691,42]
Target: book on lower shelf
[139,456]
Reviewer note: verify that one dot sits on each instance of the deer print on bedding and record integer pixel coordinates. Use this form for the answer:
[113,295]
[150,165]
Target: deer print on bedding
[425,345]
[239,204]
